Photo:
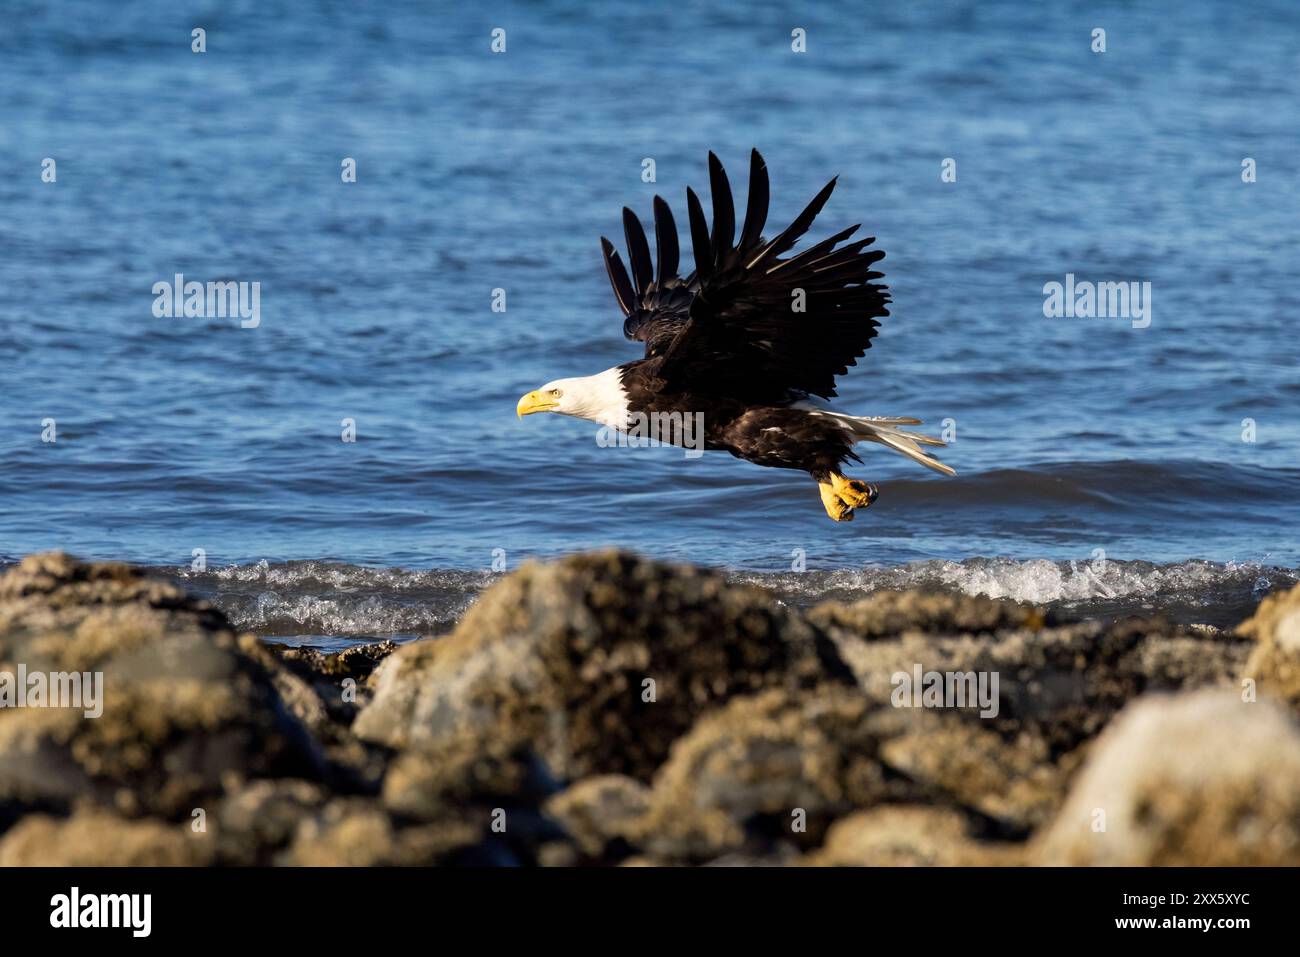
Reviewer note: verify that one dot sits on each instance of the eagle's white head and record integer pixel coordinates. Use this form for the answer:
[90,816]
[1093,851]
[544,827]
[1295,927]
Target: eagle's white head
[600,398]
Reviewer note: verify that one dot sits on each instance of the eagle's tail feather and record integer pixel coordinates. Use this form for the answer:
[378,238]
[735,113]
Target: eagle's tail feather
[885,431]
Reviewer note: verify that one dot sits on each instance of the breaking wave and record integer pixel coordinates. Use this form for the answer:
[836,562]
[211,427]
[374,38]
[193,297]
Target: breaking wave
[329,600]
[1189,591]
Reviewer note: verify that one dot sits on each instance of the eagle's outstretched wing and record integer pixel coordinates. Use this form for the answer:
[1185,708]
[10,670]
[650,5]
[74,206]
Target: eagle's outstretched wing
[747,323]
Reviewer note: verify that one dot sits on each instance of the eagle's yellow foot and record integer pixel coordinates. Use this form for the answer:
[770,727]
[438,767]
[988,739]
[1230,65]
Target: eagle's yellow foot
[835,507]
[854,492]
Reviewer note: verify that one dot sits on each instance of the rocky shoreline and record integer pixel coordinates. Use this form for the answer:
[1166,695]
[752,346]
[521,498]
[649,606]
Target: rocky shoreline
[606,709]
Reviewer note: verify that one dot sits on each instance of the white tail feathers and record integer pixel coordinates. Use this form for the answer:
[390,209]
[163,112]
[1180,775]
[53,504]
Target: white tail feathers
[885,431]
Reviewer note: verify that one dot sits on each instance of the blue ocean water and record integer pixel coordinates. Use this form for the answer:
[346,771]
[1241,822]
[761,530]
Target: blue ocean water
[479,171]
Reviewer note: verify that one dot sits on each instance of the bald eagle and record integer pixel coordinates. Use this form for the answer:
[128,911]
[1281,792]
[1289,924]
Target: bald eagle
[747,343]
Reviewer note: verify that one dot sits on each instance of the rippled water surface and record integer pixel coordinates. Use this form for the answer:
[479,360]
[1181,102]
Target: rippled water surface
[479,172]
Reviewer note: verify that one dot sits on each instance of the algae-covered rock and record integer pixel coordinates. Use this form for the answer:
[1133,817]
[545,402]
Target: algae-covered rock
[101,839]
[778,766]
[1060,682]
[1274,663]
[600,812]
[1204,779]
[258,820]
[888,614]
[598,661]
[353,832]
[184,703]
[907,836]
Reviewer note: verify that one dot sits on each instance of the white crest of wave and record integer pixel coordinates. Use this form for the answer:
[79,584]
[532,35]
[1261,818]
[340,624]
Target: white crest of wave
[327,598]
[1039,581]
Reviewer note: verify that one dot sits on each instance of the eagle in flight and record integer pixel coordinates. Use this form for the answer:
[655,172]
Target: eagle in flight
[747,343]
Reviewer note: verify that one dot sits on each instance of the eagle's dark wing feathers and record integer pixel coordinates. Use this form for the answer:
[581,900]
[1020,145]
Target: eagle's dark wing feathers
[734,327]
[655,308]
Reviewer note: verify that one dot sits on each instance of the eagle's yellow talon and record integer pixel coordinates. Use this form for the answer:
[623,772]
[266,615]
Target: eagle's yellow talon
[836,507]
[853,492]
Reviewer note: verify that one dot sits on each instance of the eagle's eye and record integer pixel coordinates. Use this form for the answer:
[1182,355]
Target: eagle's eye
[557,393]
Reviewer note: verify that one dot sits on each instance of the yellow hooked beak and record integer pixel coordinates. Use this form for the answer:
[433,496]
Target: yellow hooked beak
[535,402]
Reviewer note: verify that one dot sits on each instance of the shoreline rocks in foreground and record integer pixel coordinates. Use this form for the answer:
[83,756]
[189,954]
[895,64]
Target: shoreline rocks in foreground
[606,709]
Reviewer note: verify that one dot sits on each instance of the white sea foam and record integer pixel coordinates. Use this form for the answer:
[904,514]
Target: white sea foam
[1040,581]
[325,598]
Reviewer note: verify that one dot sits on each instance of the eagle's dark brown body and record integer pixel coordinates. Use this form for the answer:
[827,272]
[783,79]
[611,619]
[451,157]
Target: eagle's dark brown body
[777,436]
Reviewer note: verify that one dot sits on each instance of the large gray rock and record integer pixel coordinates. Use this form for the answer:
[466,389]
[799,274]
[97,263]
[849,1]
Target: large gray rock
[1274,663]
[773,768]
[1060,682]
[1203,779]
[187,704]
[907,836]
[96,838]
[566,657]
